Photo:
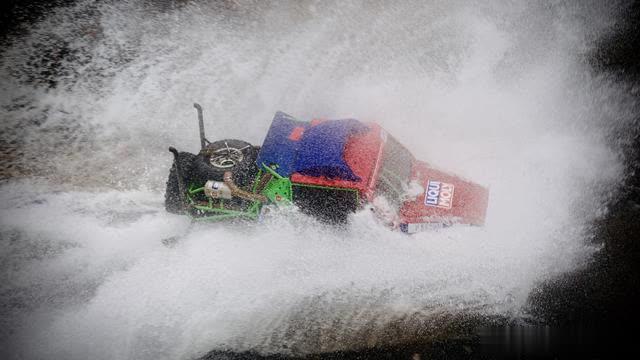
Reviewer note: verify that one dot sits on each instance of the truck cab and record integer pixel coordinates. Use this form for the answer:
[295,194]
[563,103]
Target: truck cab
[404,192]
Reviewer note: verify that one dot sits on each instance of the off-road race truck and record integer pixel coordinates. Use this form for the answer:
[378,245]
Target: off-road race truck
[328,169]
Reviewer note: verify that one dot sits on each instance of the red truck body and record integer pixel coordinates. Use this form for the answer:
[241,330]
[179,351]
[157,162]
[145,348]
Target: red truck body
[441,198]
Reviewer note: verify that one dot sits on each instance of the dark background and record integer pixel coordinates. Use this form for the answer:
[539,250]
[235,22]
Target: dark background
[590,313]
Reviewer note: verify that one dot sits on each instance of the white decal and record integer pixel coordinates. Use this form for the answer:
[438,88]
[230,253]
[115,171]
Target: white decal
[439,194]
[413,228]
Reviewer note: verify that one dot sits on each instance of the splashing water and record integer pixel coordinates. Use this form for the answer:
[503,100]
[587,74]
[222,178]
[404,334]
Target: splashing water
[94,94]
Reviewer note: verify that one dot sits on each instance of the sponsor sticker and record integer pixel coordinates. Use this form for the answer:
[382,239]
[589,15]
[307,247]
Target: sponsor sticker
[439,194]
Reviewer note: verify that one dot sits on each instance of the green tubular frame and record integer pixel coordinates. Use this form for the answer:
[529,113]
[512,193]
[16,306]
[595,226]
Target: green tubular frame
[279,191]
[218,211]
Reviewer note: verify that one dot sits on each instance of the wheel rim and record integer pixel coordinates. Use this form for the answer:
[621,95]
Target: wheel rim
[226,158]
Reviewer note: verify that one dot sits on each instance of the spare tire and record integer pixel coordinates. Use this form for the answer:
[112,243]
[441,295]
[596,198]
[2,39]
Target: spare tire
[221,156]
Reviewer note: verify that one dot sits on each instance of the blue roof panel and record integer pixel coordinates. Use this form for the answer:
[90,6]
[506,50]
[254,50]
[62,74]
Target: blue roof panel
[322,147]
[278,148]
[297,146]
